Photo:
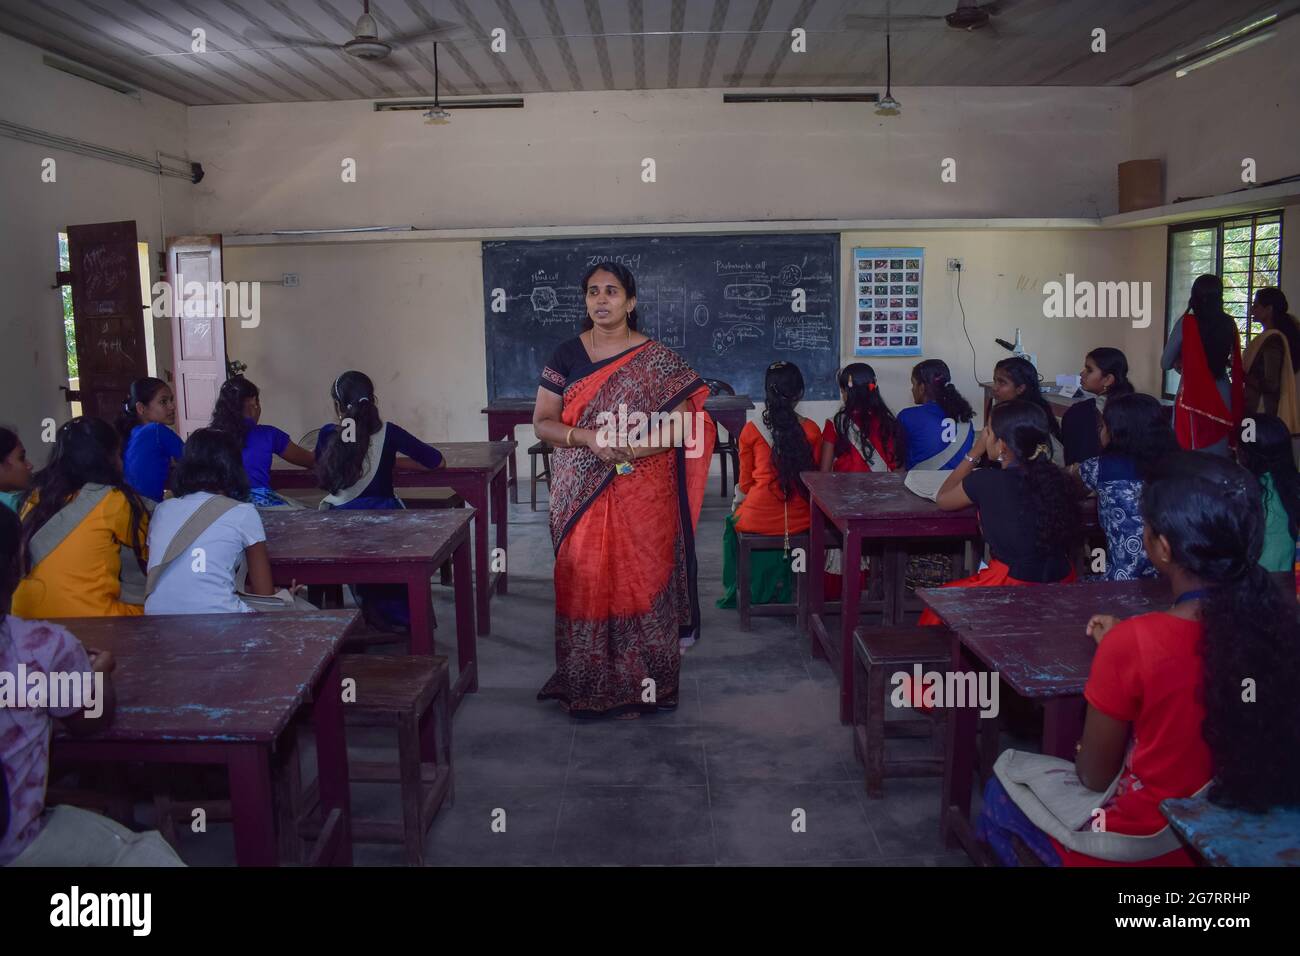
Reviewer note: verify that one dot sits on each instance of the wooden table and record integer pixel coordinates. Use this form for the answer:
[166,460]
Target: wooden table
[505,414]
[879,508]
[477,472]
[341,546]
[1034,639]
[223,689]
[1225,837]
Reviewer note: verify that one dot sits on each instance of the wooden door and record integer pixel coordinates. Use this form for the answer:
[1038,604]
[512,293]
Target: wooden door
[198,328]
[107,314]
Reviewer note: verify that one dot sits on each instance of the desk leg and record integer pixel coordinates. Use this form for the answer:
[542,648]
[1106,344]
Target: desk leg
[893,563]
[851,595]
[466,646]
[816,575]
[478,499]
[502,518]
[1062,725]
[332,759]
[505,431]
[959,758]
[252,805]
[420,604]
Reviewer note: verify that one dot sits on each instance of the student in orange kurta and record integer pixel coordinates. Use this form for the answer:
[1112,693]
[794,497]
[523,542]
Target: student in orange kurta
[81,524]
[771,499]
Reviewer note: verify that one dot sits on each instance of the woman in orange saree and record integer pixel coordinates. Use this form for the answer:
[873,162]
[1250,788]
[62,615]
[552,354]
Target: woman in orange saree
[625,501]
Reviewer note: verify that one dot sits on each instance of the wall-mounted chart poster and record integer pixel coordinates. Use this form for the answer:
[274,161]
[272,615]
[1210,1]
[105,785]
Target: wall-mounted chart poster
[887,292]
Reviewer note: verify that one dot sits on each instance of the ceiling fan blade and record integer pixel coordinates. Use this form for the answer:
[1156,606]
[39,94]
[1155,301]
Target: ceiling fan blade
[268,40]
[445,30]
[211,50]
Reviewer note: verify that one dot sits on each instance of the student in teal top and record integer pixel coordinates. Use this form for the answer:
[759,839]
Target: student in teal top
[15,469]
[1270,459]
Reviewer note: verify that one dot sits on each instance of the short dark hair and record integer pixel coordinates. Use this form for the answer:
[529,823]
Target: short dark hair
[212,462]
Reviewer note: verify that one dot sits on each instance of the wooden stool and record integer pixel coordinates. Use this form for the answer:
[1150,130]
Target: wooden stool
[745,543]
[540,450]
[875,651]
[414,695]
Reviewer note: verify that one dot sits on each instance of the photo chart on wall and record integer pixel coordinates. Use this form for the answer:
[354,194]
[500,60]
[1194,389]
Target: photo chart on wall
[887,290]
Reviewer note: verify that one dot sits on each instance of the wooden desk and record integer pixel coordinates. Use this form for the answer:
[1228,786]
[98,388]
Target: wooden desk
[504,414]
[223,689]
[1034,639]
[1226,837]
[477,472]
[879,508]
[1060,404]
[340,546]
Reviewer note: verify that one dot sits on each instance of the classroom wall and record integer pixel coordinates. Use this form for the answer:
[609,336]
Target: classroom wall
[32,363]
[1204,124]
[575,158]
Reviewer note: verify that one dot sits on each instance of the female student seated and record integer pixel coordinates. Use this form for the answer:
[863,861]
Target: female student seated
[34,834]
[15,469]
[149,446]
[1028,512]
[1167,715]
[210,512]
[354,462]
[1016,378]
[239,412]
[939,429]
[84,530]
[1135,438]
[1268,457]
[771,499]
[1104,376]
[864,435]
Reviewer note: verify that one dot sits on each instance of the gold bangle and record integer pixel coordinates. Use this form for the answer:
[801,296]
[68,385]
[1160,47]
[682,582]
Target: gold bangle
[568,439]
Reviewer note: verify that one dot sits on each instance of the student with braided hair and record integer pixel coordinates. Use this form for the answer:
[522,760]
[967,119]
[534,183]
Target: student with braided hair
[1027,508]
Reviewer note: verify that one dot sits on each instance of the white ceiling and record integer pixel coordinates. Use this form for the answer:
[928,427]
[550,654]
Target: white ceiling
[565,45]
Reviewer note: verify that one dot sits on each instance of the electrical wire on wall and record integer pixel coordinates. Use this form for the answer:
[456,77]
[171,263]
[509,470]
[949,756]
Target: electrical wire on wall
[973,363]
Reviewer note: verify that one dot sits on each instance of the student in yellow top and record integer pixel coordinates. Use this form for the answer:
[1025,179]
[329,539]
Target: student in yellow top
[84,531]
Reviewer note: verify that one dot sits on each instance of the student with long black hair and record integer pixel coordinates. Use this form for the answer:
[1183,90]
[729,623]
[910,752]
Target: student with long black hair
[1028,510]
[864,435]
[1272,360]
[1135,437]
[939,429]
[1016,378]
[1201,695]
[239,411]
[210,512]
[1267,456]
[15,469]
[1104,376]
[149,446]
[84,530]
[355,459]
[1204,347]
[771,498]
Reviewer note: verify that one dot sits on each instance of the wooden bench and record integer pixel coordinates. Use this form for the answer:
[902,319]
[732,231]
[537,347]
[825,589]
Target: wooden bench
[747,543]
[878,652]
[1222,836]
[543,451]
[412,694]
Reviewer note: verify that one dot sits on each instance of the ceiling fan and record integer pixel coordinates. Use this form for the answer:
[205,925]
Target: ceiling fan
[366,43]
[969,15]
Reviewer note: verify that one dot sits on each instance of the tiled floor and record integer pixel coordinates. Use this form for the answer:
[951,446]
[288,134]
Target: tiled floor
[754,748]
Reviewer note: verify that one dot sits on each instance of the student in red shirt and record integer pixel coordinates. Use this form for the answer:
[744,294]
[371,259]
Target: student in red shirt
[1170,711]
[864,435]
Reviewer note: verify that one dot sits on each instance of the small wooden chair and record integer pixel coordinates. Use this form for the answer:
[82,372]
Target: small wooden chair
[414,695]
[877,650]
[725,449]
[746,543]
[540,450]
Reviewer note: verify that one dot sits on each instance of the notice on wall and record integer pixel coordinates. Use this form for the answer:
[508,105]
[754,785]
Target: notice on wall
[887,291]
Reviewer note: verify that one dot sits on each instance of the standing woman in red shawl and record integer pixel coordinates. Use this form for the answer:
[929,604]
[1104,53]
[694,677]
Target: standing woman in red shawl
[623,508]
[1203,347]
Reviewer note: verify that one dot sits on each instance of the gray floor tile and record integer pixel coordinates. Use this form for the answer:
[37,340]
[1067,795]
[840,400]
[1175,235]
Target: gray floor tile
[627,826]
[754,823]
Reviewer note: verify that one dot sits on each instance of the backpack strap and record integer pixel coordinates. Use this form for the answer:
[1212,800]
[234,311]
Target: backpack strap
[64,521]
[204,517]
[936,461]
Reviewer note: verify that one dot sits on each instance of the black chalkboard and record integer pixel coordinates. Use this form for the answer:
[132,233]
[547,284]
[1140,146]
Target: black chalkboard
[724,303]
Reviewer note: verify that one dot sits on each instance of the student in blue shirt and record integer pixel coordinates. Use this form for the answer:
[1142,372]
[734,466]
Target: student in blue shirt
[239,411]
[148,442]
[930,445]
